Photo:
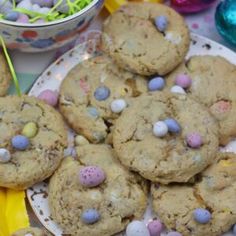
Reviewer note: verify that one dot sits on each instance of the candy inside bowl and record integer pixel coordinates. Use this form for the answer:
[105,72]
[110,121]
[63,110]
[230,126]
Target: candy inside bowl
[29,27]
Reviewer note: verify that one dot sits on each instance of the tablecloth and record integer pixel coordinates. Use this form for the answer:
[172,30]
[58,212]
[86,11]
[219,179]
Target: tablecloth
[29,66]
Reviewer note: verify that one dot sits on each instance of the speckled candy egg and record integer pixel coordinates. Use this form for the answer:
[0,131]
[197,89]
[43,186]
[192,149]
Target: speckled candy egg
[194,140]
[155,228]
[20,142]
[43,3]
[91,176]
[49,96]
[30,130]
[137,228]
[5,155]
[201,215]
[90,216]
[184,81]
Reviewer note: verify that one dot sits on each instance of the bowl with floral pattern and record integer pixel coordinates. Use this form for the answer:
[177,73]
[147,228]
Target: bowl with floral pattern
[45,36]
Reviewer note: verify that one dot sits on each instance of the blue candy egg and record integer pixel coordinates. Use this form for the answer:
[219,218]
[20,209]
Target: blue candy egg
[173,125]
[12,16]
[156,83]
[20,142]
[161,23]
[102,93]
[93,112]
[90,216]
[201,215]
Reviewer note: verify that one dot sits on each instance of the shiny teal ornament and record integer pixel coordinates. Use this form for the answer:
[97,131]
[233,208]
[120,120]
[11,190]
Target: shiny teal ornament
[225,18]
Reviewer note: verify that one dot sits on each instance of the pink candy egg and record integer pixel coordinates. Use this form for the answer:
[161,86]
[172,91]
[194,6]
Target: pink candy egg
[155,228]
[49,96]
[194,140]
[91,176]
[23,18]
[183,81]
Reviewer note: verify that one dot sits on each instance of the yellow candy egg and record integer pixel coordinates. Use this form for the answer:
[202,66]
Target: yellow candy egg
[30,130]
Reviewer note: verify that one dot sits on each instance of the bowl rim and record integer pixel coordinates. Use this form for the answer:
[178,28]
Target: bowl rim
[56,22]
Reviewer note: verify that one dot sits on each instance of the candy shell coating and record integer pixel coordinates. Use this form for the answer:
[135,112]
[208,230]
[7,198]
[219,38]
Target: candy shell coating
[194,140]
[5,155]
[118,105]
[20,142]
[160,129]
[137,228]
[173,125]
[155,228]
[201,215]
[177,89]
[161,23]
[90,216]
[183,81]
[102,93]
[91,176]
[157,83]
[49,96]
[30,130]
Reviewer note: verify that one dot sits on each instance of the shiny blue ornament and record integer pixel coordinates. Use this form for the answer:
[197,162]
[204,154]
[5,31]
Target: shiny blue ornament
[225,18]
[102,93]
[20,142]
[173,125]
[156,83]
[201,215]
[90,216]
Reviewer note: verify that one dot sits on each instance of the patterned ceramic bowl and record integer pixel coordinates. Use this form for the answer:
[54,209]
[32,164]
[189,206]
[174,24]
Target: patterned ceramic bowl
[47,36]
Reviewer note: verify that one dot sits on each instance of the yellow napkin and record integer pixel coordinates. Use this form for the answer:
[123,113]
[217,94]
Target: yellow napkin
[113,5]
[13,213]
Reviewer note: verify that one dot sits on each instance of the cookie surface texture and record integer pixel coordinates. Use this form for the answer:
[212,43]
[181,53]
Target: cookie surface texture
[215,192]
[88,91]
[169,158]
[24,160]
[119,199]
[132,39]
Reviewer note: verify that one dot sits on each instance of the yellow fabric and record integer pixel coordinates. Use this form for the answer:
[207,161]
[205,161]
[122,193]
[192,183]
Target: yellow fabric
[13,213]
[113,5]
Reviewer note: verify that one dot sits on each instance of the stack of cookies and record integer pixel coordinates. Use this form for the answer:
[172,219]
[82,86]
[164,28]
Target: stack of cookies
[146,122]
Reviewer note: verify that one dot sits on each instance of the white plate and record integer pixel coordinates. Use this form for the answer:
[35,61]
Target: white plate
[52,78]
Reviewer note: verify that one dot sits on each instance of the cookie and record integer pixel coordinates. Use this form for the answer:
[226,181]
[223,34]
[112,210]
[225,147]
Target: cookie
[212,82]
[146,38]
[166,137]
[95,194]
[30,232]
[33,138]
[94,94]
[204,208]
[5,76]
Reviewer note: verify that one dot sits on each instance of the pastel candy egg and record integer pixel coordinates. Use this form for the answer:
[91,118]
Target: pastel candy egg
[5,6]
[160,129]
[155,227]
[174,233]
[173,125]
[201,215]
[90,216]
[183,81]
[93,112]
[49,96]
[23,18]
[102,93]
[118,105]
[20,142]
[194,140]
[91,176]
[30,130]
[177,89]
[43,3]
[80,140]
[157,83]
[5,155]
[12,16]
[25,4]
[161,23]
[137,228]
[63,7]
